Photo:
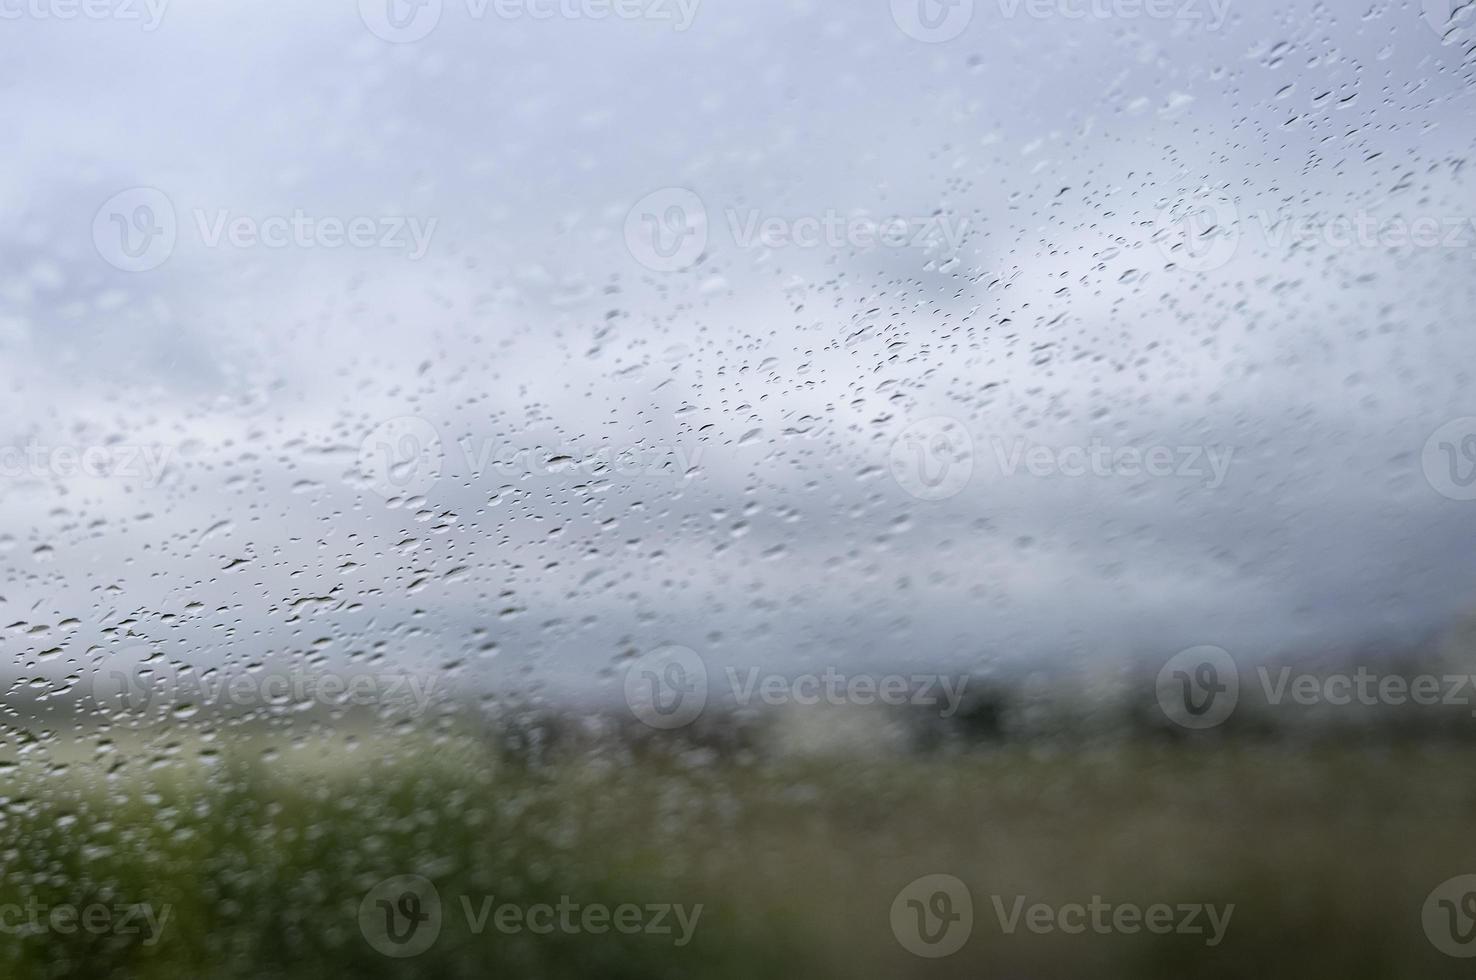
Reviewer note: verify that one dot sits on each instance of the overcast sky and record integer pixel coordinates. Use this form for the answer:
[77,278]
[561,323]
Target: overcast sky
[257,244]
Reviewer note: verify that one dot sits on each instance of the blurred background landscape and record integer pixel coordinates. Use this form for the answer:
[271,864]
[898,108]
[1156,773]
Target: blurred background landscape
[447,449]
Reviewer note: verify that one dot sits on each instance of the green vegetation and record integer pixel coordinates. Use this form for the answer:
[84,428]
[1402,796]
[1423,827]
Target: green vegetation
[1327,853]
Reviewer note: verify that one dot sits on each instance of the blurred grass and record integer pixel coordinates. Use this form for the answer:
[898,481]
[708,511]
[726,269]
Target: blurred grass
[1327,852]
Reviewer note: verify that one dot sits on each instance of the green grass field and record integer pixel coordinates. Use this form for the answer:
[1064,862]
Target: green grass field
[1327,853]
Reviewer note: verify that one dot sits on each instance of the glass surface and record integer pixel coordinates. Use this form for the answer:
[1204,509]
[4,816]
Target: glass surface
[670,488]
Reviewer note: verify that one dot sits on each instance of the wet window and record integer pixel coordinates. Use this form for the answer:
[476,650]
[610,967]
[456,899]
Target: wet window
[671,488]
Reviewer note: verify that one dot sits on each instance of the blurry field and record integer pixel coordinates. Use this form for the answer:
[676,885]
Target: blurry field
[1327,853]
